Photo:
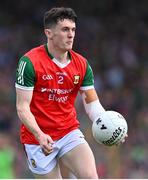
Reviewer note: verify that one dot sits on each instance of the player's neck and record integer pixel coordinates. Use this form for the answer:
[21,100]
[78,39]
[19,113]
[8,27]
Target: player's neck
[59,55]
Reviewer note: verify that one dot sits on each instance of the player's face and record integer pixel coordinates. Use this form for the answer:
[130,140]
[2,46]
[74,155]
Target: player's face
[62,35]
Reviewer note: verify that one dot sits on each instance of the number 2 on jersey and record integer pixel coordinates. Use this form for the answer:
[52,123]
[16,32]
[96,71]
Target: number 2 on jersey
[60,80]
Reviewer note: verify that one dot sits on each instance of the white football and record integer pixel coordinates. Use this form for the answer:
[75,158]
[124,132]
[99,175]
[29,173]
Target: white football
[111,128]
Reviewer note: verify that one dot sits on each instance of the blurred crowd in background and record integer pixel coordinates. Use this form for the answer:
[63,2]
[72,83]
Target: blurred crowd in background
[113,36]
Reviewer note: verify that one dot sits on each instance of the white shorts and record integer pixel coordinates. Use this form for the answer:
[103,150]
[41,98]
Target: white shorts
[40,164]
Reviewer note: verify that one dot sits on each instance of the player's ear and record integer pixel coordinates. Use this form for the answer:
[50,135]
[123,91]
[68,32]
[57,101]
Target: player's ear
[48,33]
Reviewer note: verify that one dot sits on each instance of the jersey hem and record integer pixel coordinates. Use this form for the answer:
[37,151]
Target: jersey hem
[35,142]
[23,87]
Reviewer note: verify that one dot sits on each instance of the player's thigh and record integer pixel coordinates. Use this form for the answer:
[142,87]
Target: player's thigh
[80,161]
[64,170]
[54,174]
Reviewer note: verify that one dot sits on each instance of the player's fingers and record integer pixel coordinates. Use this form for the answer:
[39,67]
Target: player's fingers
[123,141]
[49,139]
[47,148]
[47,152]
[46,144]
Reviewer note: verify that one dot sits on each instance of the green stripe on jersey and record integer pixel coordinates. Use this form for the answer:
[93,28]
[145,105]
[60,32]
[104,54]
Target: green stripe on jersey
[89,77]
[25,74]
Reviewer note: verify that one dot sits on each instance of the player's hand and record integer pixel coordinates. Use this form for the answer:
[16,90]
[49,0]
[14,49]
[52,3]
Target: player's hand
[122,141]
[46,143]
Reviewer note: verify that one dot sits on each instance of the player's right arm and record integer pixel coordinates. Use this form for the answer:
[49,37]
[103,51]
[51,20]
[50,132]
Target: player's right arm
[25,78]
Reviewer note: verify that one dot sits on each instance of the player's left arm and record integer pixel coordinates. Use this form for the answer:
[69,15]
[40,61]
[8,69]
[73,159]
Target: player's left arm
[90,98]
[92,104]
[93,107]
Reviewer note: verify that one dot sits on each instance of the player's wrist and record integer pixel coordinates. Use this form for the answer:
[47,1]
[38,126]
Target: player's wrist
[38,134]
[94,109]
[97,110]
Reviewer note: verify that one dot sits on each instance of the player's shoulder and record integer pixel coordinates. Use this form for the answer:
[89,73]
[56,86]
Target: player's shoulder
[35,55]
[35,50]
[75,54]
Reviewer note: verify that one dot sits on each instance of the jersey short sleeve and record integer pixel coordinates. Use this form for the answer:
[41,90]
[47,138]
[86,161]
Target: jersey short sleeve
[88,82]
[25,74]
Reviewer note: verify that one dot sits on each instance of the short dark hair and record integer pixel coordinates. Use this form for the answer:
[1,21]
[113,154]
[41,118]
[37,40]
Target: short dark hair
[56,14]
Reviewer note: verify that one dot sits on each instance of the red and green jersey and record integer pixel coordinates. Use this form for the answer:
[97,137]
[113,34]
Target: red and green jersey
[55,87]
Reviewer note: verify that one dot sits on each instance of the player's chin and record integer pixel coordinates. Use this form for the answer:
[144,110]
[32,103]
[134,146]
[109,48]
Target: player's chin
[68,48]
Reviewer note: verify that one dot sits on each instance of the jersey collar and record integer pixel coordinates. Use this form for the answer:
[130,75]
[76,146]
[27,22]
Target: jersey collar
[51,56]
